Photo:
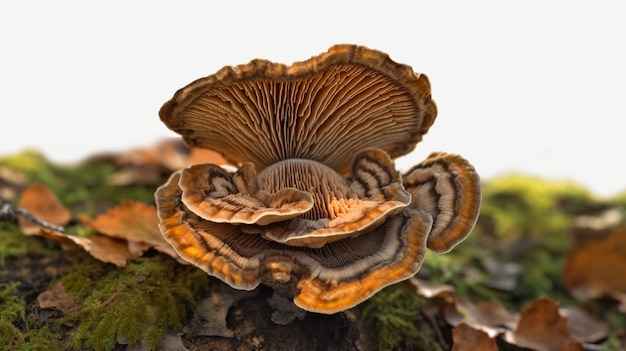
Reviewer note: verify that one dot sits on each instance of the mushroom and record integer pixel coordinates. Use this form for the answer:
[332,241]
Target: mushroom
[316,208]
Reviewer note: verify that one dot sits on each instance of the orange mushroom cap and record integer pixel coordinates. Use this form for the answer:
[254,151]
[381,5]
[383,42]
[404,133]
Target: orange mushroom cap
[329,279]
[316,208]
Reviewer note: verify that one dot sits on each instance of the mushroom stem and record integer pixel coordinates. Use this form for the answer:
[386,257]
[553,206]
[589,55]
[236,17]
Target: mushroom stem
[331,193]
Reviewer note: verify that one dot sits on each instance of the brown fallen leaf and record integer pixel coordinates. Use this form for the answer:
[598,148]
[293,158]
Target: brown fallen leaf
[40,201]
[542,328]
[140,174]
[149,165]
[135,222]
[596,266]
[488,316]
[56,297]
[200,156]
[103,248]
[466,338]
[583,325]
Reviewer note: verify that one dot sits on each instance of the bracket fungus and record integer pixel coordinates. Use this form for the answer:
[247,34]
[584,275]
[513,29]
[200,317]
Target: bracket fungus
[316,208]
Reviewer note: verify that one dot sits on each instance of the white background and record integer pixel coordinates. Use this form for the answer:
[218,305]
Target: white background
[537,87]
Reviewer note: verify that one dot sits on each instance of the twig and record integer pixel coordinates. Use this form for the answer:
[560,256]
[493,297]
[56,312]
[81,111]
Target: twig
[9,213]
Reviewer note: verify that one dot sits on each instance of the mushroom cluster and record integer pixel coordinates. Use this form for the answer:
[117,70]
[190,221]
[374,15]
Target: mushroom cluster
[315,207]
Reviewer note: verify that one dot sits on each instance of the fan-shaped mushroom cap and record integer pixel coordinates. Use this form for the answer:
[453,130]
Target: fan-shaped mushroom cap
[326,280]
[316,208]
[447,187]
[326,109]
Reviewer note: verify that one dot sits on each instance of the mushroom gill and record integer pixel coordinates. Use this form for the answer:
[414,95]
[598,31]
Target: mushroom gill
[325,109]
[298,202]
[316,208]
[329,279]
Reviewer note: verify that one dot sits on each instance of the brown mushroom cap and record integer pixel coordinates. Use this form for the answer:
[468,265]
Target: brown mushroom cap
[448,188]
[219,196]
[325,109]
[316,208]
[327,280]
[298,202]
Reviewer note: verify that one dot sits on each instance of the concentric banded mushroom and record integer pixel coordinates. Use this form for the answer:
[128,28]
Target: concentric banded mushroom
[316,208]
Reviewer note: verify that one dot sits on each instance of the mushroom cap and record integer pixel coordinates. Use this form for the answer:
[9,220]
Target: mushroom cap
[325,109]
[329,279]
[298,202]
[316,208]
[224,197]
[448,188]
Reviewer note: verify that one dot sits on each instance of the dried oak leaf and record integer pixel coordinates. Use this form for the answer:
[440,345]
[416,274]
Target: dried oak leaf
[135,222]
[102,248]
[542,328]
[596,267]
[40,201]
[56,297]
[466,338]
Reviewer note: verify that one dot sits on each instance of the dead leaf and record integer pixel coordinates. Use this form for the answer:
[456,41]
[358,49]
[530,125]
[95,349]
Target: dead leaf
[488,316]
[429,290]
[148,174]
[103,248]
[12,183]
[503,275]
[200,156]
[173,154]
[135,222]
[542,328]
[149,165]
[596,267]
[589,225]
[583,325]
[466,338]
[40,201]
[130,220]
[56,297]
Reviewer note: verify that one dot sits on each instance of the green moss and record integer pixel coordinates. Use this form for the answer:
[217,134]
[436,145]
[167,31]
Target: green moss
[32,164]
[620,200]
[613,343]
[524,220]
[136,304]
[22,331]
[524,206]
[14,243]
[49,336]
[87,188]
[391,317]
[459,269]
[12,310]
[532,219]
[83,188]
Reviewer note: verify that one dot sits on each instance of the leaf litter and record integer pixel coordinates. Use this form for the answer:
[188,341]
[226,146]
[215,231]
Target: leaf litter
[592,270]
